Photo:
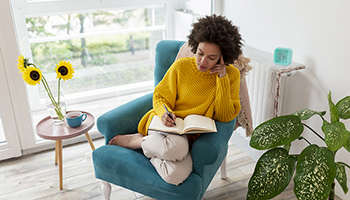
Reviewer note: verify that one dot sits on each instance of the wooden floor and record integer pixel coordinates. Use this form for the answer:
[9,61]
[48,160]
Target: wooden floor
[36,177]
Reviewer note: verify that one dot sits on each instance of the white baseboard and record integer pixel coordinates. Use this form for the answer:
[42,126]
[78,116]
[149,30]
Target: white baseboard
[239,140]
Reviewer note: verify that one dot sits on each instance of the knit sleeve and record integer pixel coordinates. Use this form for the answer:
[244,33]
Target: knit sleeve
[227,103]
[166,91]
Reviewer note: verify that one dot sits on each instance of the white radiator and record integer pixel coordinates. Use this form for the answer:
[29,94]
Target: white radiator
[265,88]
[265,84]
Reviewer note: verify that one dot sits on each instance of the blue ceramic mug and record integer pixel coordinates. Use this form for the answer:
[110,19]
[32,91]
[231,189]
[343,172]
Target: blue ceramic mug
[75,118]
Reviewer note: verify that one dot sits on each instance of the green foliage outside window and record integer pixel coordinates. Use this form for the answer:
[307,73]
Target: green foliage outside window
[108,59]
[100,50]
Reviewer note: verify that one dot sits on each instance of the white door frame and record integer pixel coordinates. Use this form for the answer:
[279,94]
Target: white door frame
[8,46]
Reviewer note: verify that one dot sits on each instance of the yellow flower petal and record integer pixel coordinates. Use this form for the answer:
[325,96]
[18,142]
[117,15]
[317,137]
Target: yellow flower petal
[32,76]
[21,63]
[64,70]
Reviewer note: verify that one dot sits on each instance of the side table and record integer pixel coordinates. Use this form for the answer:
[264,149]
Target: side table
[46,129]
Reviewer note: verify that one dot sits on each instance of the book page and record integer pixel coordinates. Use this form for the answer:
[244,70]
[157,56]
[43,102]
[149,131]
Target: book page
[156,124]
[198,123]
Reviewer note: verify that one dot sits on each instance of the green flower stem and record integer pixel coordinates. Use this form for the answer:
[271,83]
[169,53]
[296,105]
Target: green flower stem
[59,97]
[49,93]
[54,103]
[59,113]
[313,131]
[59,90]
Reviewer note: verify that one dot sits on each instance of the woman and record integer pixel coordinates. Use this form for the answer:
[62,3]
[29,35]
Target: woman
[206,84]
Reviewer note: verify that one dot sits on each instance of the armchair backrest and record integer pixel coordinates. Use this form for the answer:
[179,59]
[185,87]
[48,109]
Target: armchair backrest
[166,52]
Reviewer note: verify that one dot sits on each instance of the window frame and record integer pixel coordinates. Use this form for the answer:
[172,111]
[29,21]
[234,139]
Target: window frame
[22,9]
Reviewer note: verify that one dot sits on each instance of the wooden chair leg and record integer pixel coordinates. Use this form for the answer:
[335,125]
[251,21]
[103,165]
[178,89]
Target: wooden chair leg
[106,190]
[223,169]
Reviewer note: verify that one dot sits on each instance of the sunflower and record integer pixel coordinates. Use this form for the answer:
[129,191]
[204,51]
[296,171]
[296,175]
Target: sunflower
[22,63]
[32,75]
[64,70]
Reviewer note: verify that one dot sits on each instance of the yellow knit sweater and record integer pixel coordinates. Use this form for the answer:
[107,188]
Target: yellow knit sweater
[185,90]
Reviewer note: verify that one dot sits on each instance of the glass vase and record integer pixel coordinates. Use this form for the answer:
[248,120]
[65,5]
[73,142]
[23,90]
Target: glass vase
[56,105]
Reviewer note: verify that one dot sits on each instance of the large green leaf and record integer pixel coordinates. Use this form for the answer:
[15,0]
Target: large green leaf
[306,113]
[340,175]
[334,113]
[347,144]
[315,173]
[276,132]
[336,135]
[344,108]
[272,174]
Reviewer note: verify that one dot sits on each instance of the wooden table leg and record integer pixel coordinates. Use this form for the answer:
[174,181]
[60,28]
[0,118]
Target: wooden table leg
[56,152]
[60,164]
[89,140]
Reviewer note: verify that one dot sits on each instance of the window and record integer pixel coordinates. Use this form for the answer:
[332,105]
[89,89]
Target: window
[110,47]
[96,36]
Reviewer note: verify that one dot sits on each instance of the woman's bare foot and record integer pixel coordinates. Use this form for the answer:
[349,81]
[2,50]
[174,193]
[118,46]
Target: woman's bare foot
[130,141]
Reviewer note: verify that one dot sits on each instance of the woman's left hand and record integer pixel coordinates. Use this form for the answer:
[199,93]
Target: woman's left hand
[219,68]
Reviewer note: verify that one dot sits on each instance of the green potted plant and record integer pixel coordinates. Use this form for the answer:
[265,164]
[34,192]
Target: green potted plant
[314,169]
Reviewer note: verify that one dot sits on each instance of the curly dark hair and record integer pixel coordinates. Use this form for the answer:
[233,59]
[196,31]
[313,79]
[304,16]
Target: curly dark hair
[220,31]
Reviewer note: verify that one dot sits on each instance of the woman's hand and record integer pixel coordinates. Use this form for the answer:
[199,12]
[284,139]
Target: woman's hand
[167,121]
[219,68]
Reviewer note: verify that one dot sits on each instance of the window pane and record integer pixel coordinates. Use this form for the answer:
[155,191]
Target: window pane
[99,22]
[106,61]
[107,48]
[159,15]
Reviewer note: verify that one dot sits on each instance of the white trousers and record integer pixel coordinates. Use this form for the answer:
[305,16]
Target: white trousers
[169,154]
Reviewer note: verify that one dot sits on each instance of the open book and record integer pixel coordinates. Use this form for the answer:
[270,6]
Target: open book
[190,125]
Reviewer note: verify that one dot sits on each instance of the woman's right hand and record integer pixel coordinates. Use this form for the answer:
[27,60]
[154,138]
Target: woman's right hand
[167,121]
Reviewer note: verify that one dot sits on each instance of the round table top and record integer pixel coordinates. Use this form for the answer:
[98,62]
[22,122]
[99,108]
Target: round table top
[47,129]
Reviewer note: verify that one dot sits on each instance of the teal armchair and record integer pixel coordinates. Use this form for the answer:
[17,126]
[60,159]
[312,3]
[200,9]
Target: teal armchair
[132,170]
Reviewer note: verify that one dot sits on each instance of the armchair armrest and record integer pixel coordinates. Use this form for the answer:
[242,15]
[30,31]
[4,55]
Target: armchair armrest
[125,118]
[208,148]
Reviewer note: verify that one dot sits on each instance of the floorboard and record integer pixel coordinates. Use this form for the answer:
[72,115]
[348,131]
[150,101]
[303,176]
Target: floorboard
[35,177]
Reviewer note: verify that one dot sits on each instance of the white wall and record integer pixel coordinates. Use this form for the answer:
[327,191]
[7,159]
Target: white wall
[318,31]
[202,7]
[190,11]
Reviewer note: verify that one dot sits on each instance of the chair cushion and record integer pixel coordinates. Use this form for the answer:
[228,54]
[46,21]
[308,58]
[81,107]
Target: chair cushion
[110,160]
